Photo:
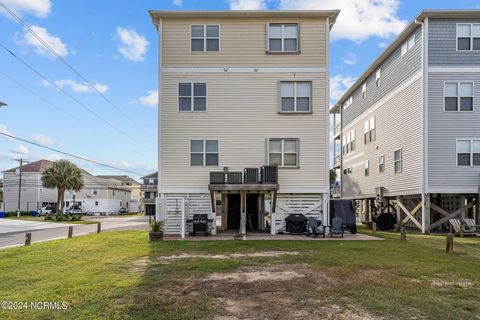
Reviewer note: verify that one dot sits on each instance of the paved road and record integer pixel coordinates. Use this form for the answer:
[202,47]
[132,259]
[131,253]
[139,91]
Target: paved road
[12,232]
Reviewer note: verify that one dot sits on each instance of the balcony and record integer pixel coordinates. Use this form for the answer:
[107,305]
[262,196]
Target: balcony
[263,179]
[148,187]
[149,200]
[336,130]
[337,162]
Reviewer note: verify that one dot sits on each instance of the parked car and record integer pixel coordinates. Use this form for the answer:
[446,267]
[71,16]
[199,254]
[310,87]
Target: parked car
[74,210]
[123,211]
[47,210]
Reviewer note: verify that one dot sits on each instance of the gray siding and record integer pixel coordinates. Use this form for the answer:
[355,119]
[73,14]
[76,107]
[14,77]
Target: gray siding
[395,70]
[444,128]
[442,41]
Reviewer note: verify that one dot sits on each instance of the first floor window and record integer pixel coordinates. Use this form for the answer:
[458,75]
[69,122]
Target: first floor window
[397,160]
[458,96]
[381,163]
[468,152]
[283,152]
[367,168]
[295,96]
[96,203]
[192,96]
[204,152]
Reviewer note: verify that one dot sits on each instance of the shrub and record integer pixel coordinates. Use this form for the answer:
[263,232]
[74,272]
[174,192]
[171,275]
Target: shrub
[63,217]
[157,226]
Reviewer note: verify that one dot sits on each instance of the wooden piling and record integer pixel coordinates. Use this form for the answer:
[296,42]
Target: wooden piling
[449,248]
[70,232]
[99,227]
[28,239]
[403,234]
[374,227]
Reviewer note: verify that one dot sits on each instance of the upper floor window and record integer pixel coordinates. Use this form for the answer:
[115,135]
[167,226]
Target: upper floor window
[192,96]
[370,132]
[408,45]
[283,37]
[204,152]
[397,161]
[364,90]
[367,168]
[349,142]
[95,191]
[381,163]
[295,96]
[377,77]
[348,103]
[468,152]
[458,96]
[205,38]
[283,152]
[468,36]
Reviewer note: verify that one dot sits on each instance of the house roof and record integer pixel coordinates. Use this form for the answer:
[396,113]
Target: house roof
[37,166]
[151,175]
[185,14]
[439,14]
[122,178]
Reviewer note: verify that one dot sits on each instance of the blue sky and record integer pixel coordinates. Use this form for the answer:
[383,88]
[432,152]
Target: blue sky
[114,45]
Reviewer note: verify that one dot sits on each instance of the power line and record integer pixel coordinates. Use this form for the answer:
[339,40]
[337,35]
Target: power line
[65,62]
[68,154]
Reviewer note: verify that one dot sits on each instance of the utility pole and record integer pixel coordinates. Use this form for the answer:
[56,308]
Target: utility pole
[20,161]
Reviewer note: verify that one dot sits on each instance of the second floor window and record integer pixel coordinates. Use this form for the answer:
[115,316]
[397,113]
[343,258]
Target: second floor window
[192,97]
[95,191]
[370,132]
[204,152]
[283,152]
[205,38]
[377,77]
[364,91]
[295,96]
[349,142]
[283,37]
[381,163]
[367,168]
[397,161]
[468,36]
[468,152]
[458,96]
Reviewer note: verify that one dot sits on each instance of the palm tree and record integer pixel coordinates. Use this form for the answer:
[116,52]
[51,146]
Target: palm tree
[62,175]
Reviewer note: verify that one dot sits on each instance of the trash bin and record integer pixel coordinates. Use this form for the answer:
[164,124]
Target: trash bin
[34,213]
[3,214]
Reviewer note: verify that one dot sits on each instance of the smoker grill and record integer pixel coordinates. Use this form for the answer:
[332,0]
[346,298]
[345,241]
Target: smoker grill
[296,223]
[200,224]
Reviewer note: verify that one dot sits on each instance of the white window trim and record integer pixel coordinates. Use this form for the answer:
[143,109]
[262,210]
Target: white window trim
[192,96]
[378,76]
[204,153]
[295,96]
[283,152]
[382,162]
[471,36]
[283,37]
[367,168]
[406,45]
[364,90]
[458,82]
[471,151]
[401,160]
[205,38]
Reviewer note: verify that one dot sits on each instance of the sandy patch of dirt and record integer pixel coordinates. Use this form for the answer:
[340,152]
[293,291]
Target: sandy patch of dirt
[140,265]
[441,283]
[262,254]
[251,276]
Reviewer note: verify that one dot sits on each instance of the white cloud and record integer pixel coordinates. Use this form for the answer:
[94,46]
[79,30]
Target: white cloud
[132,46]
[77,87]
[177,3]
[53,41]
[358,19]
[39,8]
[248,4]
[338,85]
[350,59]
[20,149]
[150,100]
[382,44]
[42,139]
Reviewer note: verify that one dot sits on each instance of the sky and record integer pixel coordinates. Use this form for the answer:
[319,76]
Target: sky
[112,118]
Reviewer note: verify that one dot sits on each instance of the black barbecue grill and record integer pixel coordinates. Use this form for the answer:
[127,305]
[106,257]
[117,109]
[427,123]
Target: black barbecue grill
[296,223]
[200,223]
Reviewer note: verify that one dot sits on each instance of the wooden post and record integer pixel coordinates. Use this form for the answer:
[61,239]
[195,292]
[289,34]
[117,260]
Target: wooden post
[403,234]
[399,212]
[182,227]
[449,248]
[243,213]
[70,232]
[28,239]
[426,213]
[272,215]
[99,227]
[374,227]
[477,211]
[463,214]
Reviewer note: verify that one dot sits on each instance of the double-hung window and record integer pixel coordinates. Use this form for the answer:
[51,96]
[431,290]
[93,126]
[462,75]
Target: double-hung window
[205,38]
[458,96]
[468,36]
[367,168]
[204,152]
[283,37]
[381,163]
[283,152]
[95,191]
[378,74]
[192,97]
[370,132]
[364,90]
[349,142]
[468,152]
[397,161]
[408,45]
[295,96]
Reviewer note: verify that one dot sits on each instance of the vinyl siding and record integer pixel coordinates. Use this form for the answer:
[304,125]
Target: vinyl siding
[442,41]
[398,125]
[444,128]
[394,70]
[242,114]
[242,43]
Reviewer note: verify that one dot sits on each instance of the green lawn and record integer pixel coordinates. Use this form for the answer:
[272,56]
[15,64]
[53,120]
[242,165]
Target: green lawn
[120,275]
[41,219]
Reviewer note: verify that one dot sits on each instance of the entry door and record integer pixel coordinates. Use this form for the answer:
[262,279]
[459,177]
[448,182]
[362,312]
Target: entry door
[252,211]
[233,220]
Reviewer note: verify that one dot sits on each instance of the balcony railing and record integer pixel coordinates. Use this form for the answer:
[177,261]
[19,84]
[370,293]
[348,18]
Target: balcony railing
[264,175]
[337,128]
[149,200]
[149,186]
[337,162]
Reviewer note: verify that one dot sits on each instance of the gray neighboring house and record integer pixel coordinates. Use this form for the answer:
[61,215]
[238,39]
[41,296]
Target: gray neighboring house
[149,189]
[407,133]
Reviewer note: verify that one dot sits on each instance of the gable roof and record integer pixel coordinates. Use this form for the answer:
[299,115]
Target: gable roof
[121,178]
[151,175]
[36,166]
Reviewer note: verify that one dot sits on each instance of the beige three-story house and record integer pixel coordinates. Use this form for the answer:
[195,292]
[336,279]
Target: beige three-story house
[243,117]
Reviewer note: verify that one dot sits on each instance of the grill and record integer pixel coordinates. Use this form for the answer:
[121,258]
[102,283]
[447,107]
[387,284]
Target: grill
[250,175]
[269,174]
[200,224]
[296,223]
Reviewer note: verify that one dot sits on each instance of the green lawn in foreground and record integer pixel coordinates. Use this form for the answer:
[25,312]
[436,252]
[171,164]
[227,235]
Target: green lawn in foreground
[120,275]
[41,219]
